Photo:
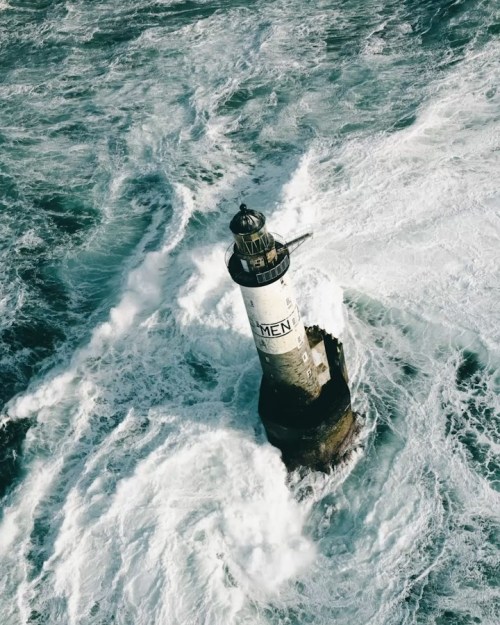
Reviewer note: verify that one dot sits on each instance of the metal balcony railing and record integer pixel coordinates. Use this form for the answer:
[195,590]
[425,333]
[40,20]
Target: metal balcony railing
[275,271]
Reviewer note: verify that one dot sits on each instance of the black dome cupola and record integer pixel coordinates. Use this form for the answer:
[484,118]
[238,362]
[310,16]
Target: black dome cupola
[247,221]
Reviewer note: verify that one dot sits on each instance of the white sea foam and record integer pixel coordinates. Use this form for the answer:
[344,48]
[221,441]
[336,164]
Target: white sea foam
[406,192]
[244,540]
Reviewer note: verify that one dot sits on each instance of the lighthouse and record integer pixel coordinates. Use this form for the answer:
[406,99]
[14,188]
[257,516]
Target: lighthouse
[304,401]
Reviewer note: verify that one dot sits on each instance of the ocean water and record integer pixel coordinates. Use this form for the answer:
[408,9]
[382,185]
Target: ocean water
[137,484]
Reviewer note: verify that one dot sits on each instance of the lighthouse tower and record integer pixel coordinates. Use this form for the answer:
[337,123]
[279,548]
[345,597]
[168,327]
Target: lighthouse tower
[304,397]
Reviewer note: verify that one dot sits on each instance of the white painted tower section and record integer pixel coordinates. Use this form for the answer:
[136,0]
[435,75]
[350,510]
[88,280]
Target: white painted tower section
[274,317]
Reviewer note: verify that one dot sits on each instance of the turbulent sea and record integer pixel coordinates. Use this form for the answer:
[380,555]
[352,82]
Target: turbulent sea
[137,484]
